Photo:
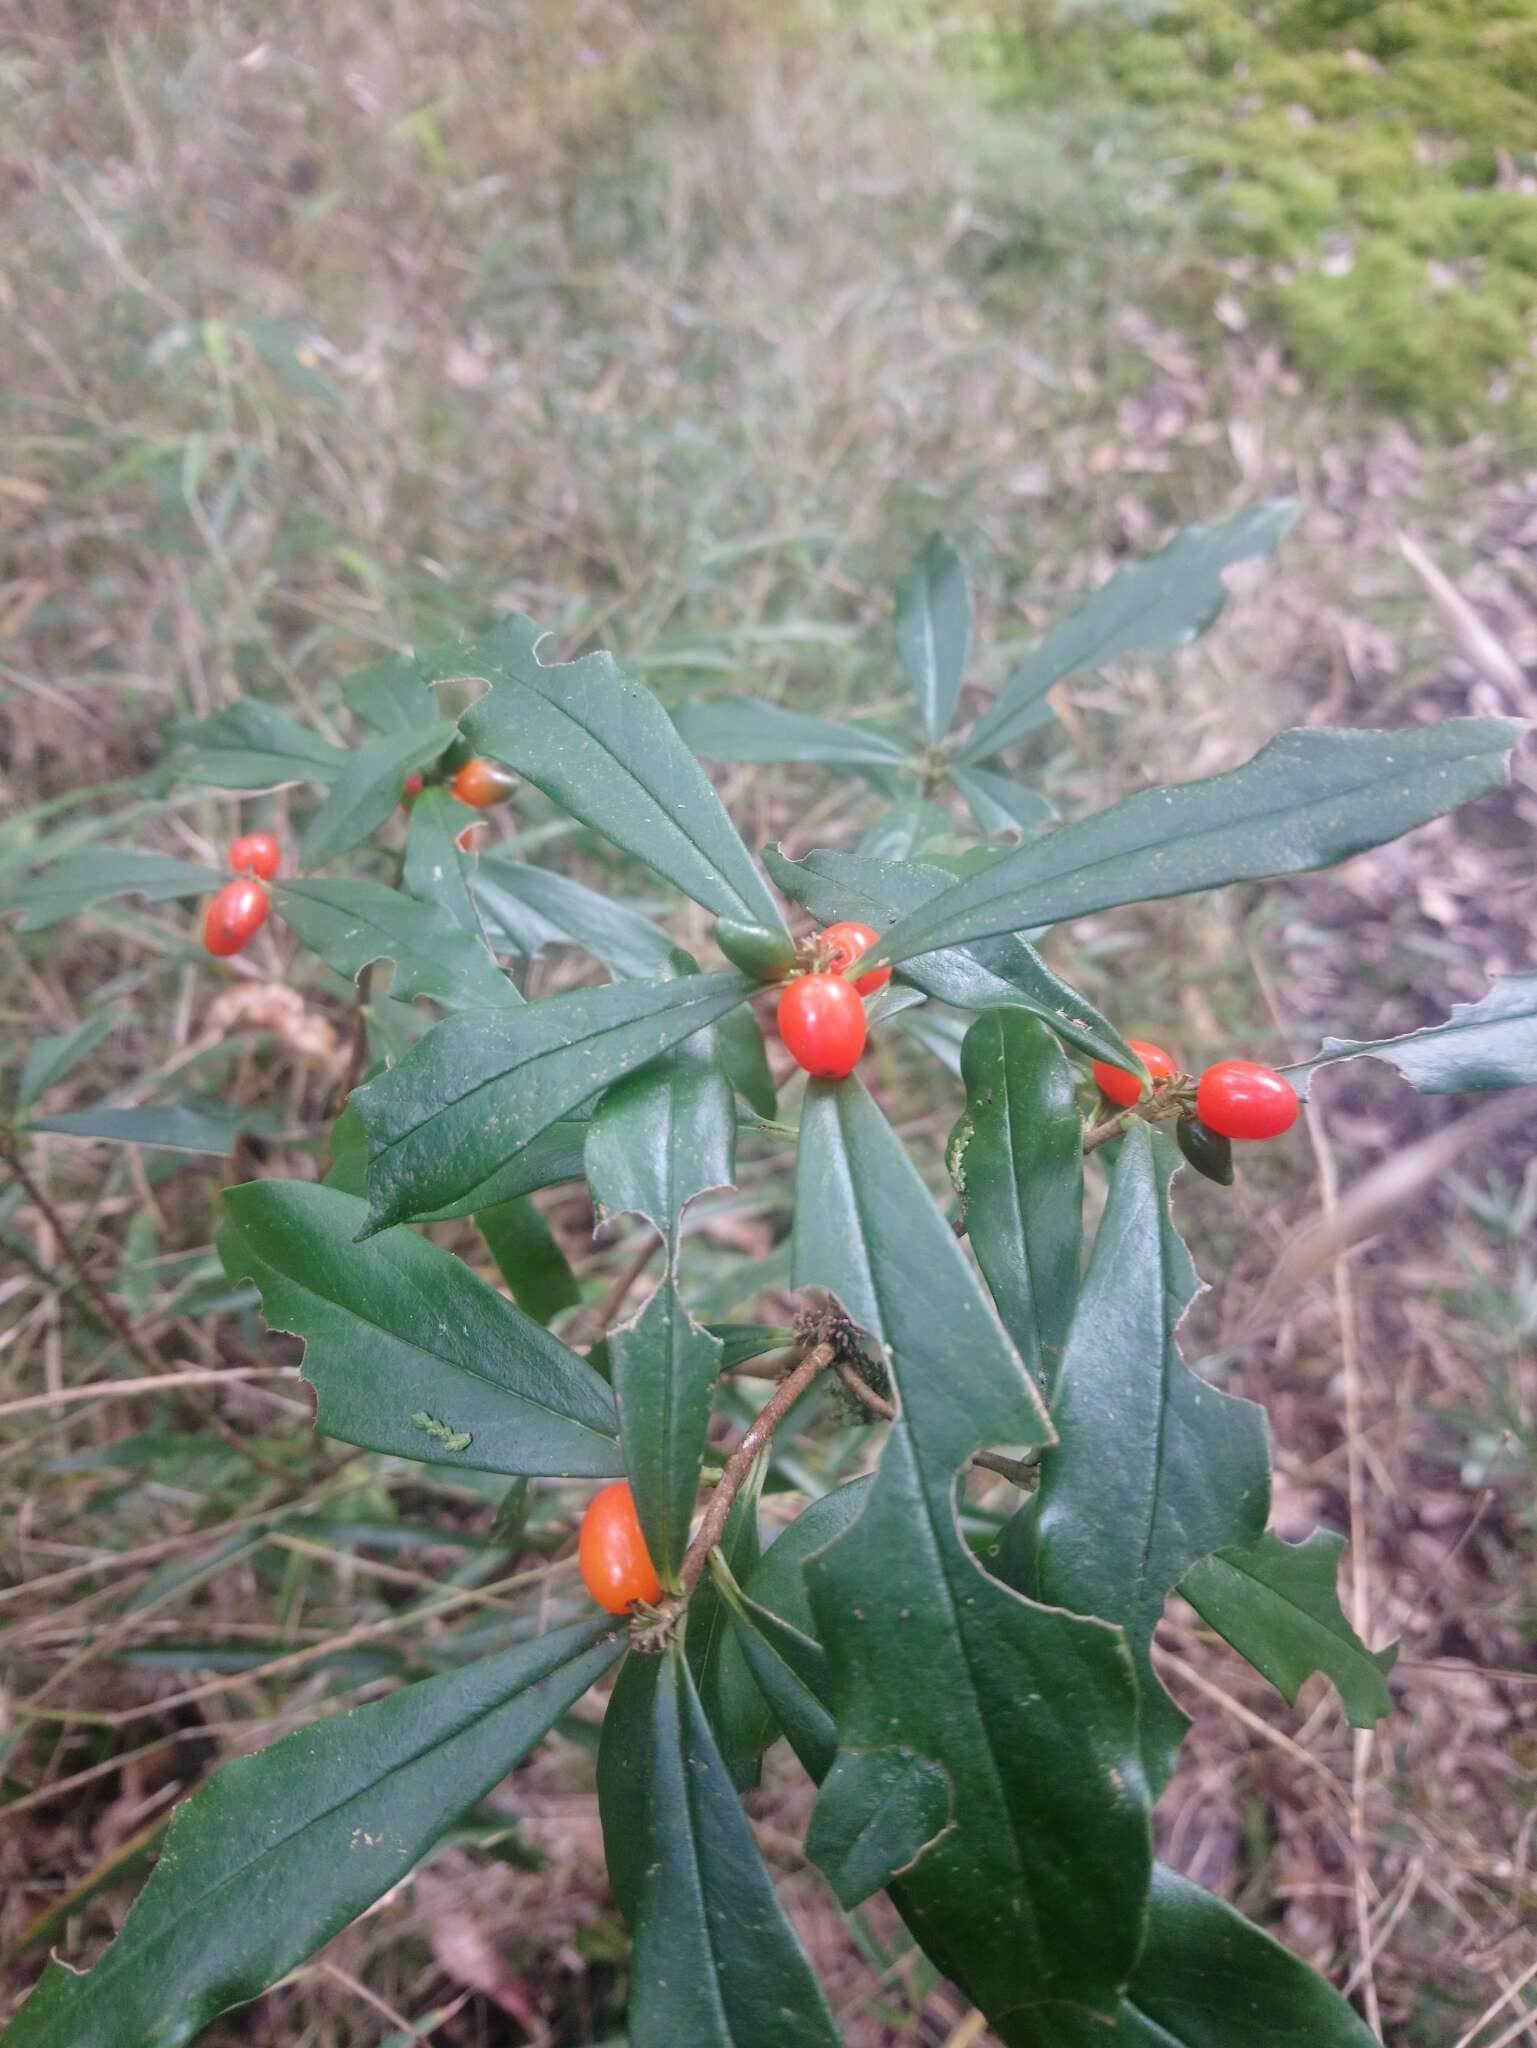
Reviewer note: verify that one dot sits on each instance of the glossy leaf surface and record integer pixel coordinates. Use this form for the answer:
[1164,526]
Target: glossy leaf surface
[367,791]
[664,1368]
[1484,1045]
[352,924]
[438,871]
[748,729]
[934,631]
[661,1137]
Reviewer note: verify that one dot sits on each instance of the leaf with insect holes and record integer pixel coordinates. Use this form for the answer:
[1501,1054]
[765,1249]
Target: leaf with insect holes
[352,924]
[1157,603]
[448,1122]
[716,1963]
[601,747]
[1155,1468]
[80,881]
[934,631]
[1034,1889]
[1308,799]
[1484,1045]
[1277,1604]
[368,789]
[662,1137]
[747,729]
[252,745]
[408,1351]
[279,1851]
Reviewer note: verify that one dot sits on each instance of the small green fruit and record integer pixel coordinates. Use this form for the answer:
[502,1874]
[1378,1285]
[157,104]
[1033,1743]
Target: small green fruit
[765,954]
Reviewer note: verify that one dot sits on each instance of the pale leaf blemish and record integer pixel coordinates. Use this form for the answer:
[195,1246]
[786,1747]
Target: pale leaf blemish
[450,1439]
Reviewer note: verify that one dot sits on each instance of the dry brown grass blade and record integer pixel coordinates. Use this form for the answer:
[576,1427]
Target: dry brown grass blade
[1487,653]
[1362,1210]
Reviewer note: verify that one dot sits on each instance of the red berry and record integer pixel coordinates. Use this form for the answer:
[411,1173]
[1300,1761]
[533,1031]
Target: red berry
[479,783]
[1125,1088]
[842,945]
[411,790]
[616,1565]
[239,909]
[256,853]
[1242,1099]
[822,1021]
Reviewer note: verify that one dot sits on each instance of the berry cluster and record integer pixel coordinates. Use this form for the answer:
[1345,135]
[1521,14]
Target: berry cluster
[1235,1098]
[239,910]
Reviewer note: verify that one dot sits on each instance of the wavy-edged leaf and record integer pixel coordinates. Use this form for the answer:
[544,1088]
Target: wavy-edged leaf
[352,924]
[748,729]
[448,1123]
[1001,806]
[1037,1889]
[527,908]
[599,744]
[1310,798]
[1016,1158]
[1482,1046]
[391,695]
[51,1060]
[1155,1468]
[997,973]
[407,1350]
[661,1137]
[253,745]
[82,880]
[368,789]
[536,1270]
[716,1962]
[934,631]
[664,1368]
[437,869]
[1277,1603]
[279,1851]
[1158,603]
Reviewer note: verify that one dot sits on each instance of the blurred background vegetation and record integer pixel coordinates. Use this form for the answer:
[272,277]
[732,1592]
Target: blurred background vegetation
[325,330]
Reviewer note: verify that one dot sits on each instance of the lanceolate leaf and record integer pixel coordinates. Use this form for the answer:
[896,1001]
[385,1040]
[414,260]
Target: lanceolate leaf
[460,1107]
[599,745]
[934,632]
[998,973]
[528,1258]
[717,1964]
[1278,1606]
[528,908]
[350,924]
[664,1369]
[81,880]
[281,1850]
[253,745]
[660,1137]
[391,695]
[736,1710]
[50,1060]
[1306,800]
[1016,1158]
[368,789]
[747,729]
[176,1127]
[744,1060]
[408,1351]
[1036,1891]
[1484,1045]
[1161,602]
[999,805]
[438,870]
[1154,1468]
[790,1669]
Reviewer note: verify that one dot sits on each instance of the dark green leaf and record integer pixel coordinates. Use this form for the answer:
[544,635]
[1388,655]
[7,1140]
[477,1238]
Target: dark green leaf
[391,695]
[934,631]
[1001,806]
[351,924]
[716,1962]
[51,1060]
[1277,1604]
[747,729]
[528,1258]
[1016,1158]
[1484,1045]
[253,745]
[998,973]
[664,1370]
[790,1670]
[176,1129]
[1036,1892]
[904,831]
[528,908]
[738,1715]
[281,1850]
[660,1137]
[408,1351]
[1158,603]
[879,1811]
[368,789]
[1154,1468]
[438,871]
[744,1060]
[599,745]
[81,880]
[1306,800]
[1207,1150]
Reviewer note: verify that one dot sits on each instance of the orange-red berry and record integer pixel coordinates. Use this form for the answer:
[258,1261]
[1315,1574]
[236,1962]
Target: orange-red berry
[1242,1099]
[239,910]
[411,789]
[479,783]
[822,1021]
[256,853]
[843,944]
[1126,1089]
[615,1563]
